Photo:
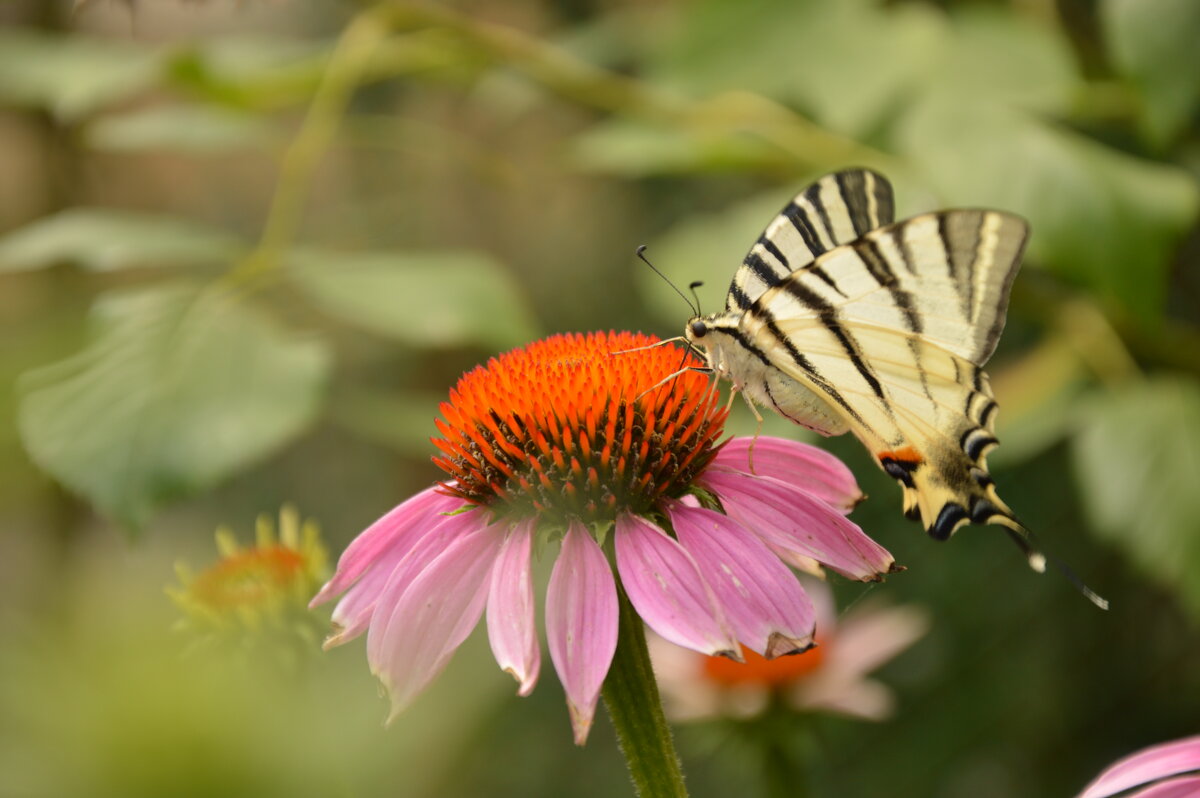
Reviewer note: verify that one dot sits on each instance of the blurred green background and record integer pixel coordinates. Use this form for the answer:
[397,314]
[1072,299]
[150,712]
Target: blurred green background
[246,247]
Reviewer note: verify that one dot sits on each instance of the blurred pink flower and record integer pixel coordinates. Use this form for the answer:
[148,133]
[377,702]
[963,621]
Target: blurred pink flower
[564,440]
[1168,770]
[831,677]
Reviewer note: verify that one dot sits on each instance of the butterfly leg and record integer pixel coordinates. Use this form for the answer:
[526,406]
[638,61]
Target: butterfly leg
[655,345]
[757,430]
[669,377]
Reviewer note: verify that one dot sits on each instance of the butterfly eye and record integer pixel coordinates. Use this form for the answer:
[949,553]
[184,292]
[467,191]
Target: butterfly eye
[699,329]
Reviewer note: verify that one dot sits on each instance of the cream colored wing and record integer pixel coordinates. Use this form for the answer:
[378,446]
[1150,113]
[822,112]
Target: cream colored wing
[925,414]
[944,277]
[835,210]
[891,330]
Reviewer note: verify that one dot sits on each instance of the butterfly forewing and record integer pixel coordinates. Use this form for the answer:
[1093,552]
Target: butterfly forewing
[836,210]
[942,276]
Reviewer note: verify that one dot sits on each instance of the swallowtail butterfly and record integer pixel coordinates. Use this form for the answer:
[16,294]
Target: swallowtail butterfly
[842,319]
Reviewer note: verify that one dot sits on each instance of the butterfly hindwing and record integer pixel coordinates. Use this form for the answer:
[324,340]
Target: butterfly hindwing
[835,210]
[890,329]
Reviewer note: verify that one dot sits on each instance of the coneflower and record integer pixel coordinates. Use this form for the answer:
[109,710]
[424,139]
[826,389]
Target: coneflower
[581,441]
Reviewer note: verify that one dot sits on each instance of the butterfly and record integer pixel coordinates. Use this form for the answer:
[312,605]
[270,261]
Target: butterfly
[842,319]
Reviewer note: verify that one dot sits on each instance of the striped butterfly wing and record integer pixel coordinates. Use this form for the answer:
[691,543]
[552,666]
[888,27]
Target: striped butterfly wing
[835,210]
[891,330]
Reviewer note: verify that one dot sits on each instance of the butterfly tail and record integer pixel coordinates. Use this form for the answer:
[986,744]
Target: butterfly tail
[929,497]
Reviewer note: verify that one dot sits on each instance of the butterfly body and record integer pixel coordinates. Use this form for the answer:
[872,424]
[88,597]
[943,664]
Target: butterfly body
[843,320]
[733,354]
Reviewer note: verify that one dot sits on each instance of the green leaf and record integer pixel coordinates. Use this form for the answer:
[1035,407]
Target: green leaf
[252,71]
[1153,44]
[72,76]
[178,390]
[852,64]
[1104,219]
[179,128]
[1006,59]
[428,299]
[793,57]
[1137,458]
[101,239]
[1039,393]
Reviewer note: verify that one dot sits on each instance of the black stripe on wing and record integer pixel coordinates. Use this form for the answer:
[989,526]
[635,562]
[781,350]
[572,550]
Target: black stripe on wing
[835,210]
[828,316]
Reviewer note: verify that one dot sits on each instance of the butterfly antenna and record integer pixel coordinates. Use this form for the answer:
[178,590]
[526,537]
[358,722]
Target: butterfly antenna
[692,287]
[1028,543]
[694,306]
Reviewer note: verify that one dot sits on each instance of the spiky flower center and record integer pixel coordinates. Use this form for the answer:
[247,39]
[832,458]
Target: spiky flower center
[573,426]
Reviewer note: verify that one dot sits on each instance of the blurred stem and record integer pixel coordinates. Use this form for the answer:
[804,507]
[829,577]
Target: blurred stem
[784,765]
[727,114]
[346,70]
[631,697]
[1089,332]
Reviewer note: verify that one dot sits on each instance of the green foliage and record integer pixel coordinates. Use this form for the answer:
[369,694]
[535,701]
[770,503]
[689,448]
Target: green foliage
[1153,44]
[180,128]
[1108,221]
[74,76]
[434,190]
[251,71]
[103,240]
[1137,454]
[430,299]
[178,389]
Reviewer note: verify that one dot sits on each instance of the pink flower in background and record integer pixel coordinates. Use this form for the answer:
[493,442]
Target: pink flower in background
[831,677]
[1168,770]
[565,442]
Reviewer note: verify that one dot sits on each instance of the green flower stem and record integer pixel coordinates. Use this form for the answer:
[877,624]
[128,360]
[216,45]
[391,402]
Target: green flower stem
[783,744]
[631,697]
[346,69]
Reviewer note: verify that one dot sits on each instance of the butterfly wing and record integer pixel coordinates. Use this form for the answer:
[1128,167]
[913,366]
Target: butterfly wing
[835,210]
[891,330]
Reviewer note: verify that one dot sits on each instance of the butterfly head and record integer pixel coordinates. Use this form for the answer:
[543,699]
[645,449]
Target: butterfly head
[696,330]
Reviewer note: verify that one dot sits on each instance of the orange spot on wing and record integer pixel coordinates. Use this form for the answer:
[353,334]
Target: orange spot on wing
[906,455]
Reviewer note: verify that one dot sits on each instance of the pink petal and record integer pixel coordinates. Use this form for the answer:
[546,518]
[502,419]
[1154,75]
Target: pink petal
[1146,765]
[389,534]
[860,698]
[868,637]
[666,588]
[433,616]
[353,612]
[793,523]
[581,624]
[511,628]
[762,599]
[434,542]
[809,468]
[1173,788]
[414,549]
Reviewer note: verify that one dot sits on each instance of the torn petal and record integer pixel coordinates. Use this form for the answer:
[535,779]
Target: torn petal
[512,630]
[392,533]
[667,589]
[761,597]
[432,616]
[793,523]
